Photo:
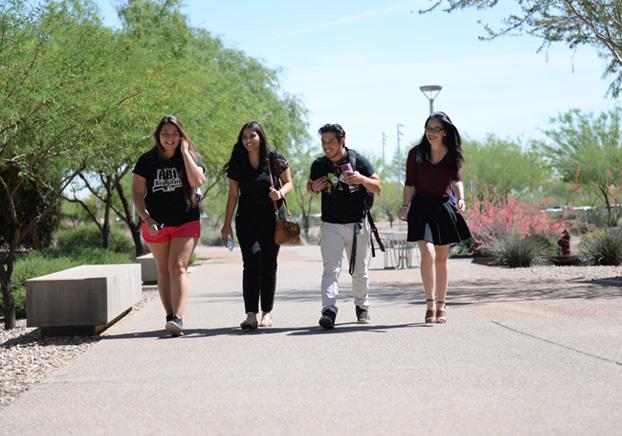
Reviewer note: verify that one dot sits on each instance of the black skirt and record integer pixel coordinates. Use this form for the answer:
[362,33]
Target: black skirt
[436,220]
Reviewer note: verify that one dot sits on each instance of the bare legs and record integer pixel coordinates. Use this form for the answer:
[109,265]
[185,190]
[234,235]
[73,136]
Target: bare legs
[434,277]
[172,258]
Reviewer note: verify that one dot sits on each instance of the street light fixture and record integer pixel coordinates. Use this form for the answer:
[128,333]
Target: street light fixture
[431,91]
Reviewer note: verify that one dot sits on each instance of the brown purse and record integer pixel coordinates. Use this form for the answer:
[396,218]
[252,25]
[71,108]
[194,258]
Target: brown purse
[287,231]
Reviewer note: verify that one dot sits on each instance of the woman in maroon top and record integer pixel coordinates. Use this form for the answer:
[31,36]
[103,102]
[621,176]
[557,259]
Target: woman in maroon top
[433,213]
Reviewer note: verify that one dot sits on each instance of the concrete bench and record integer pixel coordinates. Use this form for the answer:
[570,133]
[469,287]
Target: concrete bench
[149,271]
[82,300]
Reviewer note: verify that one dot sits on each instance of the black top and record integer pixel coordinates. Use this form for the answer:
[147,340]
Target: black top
[340,205]
[165,199]
[254,183]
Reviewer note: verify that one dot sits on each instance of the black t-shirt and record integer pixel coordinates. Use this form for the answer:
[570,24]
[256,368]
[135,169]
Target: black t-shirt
[341,205]
[255,185]
[165,199]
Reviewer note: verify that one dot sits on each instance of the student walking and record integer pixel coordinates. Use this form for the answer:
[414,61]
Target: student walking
[253,194]
[164,184]
[345,180]
[433,213]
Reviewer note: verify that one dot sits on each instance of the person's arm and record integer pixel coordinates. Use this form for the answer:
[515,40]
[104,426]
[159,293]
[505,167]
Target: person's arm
[232,201]
[139,187]
[460,204]
[195,173]
[286,186]
[407,195]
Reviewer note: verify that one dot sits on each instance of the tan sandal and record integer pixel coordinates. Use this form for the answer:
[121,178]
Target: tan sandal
[266,320]
[441,314]
[430,314]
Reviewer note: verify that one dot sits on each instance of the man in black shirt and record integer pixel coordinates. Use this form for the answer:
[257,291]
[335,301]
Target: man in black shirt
[345,179]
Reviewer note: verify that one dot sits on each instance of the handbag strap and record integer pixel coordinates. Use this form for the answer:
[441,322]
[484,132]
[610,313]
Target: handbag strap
[276,212]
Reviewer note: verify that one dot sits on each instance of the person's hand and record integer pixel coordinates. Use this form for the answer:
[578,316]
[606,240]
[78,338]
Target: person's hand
[353,178]
[403,213]
[275,195]
[153,228]
[224,232]
[183,143]
[319,184]
[461,205]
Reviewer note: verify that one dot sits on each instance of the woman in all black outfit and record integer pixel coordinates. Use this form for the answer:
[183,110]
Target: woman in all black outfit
[250,189]
[433,213]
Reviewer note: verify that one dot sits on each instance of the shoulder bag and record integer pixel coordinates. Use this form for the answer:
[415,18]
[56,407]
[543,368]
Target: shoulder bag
[286,231]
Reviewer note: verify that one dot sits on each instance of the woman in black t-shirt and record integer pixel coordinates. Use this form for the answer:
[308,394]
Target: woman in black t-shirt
[250,189]
[433,213]
[164,193]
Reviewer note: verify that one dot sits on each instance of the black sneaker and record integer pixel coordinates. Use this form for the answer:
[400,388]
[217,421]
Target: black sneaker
[362,316]
[327,320]
[175,326]
[169,317]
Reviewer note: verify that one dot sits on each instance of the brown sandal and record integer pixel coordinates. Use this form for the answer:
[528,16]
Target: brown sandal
[441,314]
[430,314]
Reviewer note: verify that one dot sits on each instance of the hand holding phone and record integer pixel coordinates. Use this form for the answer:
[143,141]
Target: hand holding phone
[345,168]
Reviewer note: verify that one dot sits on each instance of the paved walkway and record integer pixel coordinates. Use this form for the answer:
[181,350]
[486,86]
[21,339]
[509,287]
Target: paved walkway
[511,360]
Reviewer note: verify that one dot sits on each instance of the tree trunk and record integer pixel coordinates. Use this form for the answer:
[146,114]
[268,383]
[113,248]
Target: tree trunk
[129,220]
[7,298]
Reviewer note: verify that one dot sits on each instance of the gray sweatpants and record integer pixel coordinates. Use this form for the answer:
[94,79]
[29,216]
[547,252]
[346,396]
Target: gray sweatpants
[334,239]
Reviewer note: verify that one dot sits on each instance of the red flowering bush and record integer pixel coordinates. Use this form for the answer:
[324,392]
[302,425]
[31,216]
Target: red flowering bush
[494,222]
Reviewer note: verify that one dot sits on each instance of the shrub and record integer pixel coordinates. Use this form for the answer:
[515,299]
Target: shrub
[602,247]
[493,223]
[39,263]
[89,235]
[515,251]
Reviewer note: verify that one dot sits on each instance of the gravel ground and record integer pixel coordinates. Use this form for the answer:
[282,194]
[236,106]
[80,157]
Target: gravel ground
[26,357]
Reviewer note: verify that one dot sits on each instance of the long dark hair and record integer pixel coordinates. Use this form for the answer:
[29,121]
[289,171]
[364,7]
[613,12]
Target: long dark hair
[239,152]
[171,119]
[452,139]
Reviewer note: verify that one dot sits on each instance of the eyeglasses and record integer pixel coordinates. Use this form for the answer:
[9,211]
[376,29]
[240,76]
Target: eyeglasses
[434,129]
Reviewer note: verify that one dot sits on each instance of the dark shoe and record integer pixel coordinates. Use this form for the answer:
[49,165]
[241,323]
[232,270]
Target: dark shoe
[175,326]
[362,316]
[327,320]
[250,323]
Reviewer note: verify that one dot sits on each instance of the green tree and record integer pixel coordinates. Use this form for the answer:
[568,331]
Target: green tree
[48,54]
[586,150]
[573,22]
[498,168]
[300,159]
[389,200]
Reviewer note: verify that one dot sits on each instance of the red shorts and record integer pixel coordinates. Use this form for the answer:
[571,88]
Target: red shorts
[187,230]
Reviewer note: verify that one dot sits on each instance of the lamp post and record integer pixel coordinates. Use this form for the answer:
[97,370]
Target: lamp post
[430,92]
[399,153]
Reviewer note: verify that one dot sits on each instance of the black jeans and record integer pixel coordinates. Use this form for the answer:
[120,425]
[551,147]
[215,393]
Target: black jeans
[259,252]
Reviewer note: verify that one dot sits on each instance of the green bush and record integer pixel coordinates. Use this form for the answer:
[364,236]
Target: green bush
[602,247]
[39,263]
[514,251]
[89,235]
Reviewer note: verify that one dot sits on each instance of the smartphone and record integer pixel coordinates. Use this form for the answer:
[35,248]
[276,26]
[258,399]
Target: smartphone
[345,168]
[229,242]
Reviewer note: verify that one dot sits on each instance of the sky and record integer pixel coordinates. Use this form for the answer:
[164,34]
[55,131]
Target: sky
[360,63]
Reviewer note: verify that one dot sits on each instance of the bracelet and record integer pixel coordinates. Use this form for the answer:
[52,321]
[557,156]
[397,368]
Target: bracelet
[405,205]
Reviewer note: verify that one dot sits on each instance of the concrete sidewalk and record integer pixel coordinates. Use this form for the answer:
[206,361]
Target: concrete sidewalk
[505,363]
